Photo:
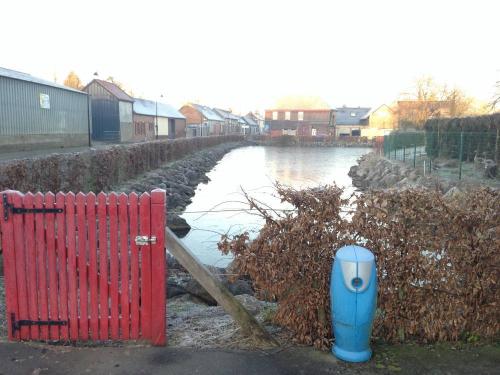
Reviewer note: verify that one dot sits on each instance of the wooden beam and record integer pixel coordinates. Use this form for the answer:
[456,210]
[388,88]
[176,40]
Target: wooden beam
[249,325]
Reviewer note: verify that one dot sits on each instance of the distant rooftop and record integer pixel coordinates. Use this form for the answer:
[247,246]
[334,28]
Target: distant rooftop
[225,114]
[350,115]
[207,112]
[14,74]
[150,107]
[113,90]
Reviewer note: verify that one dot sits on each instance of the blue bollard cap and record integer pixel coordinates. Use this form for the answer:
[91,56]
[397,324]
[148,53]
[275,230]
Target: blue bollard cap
[354,253]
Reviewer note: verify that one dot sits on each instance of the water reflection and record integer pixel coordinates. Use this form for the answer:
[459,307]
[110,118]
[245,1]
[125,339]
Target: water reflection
[255,169]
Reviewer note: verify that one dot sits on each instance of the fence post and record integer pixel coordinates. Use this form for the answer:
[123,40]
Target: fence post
[461,155]
[414,155]
[404,154]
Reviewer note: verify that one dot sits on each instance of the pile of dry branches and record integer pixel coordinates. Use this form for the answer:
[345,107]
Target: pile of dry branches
[437,261]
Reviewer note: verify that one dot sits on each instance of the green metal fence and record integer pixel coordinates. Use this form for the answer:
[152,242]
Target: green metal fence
[458,155]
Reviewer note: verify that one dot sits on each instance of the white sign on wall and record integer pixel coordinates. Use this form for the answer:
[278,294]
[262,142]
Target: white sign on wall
[44,101]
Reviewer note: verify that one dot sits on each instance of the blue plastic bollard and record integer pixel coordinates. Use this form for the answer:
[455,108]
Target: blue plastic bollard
[353,295]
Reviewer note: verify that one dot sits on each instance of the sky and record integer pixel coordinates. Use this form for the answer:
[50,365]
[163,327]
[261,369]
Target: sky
[245,55]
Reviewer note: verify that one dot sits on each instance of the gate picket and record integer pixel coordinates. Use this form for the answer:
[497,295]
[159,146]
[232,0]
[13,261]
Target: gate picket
[83,295]
[113,266]
[158,261]
[134,266]
[9,264]
[20,266]
[145,230]
[72,275]
[124,275]
[29,222]
[92,274]
[79,274]
[62,266]
[50,237]
[103,267]
[41,266]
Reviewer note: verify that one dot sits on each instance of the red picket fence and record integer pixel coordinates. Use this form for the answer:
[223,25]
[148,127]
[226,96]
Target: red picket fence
[84,267]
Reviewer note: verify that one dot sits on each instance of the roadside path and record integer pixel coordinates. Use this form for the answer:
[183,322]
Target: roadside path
[37,359]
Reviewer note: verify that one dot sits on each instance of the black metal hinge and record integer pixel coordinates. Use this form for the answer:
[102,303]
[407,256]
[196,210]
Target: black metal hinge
[17,324]
[21,210]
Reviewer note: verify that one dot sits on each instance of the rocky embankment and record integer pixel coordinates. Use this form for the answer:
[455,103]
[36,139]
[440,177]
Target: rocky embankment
[180,179]
[376,172]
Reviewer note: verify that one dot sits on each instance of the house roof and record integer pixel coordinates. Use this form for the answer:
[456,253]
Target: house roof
[113,90]
[150,107]
[373,110]
[226,114]
[207,112]
[350,115]
[255,115]
[14,74]
[249,120]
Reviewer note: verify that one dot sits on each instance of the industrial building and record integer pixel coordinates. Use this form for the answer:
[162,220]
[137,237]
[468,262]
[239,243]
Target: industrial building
[111,112]
[36,114]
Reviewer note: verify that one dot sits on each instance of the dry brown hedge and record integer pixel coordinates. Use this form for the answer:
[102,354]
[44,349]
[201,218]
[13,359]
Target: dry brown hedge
[99,169]
[438,261]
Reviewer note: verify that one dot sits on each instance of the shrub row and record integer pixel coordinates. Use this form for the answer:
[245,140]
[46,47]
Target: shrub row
[98,169]
[438,262]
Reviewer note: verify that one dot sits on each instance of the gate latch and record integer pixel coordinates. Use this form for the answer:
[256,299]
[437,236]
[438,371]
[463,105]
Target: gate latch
[145,240]
[17,324]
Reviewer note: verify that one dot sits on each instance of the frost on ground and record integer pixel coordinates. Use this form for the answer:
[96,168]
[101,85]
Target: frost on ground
[191,323]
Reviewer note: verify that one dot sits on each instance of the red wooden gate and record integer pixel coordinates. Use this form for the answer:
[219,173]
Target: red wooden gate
[84,267]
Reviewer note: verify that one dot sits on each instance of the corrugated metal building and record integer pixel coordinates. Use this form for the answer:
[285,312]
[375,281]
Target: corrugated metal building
[111,112]
[35,113]
[171,123]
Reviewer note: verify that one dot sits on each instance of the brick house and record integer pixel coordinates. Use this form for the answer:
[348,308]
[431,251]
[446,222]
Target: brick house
[231,121]
[299,122]
[201,120]
[157,118]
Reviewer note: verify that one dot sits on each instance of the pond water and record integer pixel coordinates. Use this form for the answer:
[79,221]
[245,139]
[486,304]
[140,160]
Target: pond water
[255,169]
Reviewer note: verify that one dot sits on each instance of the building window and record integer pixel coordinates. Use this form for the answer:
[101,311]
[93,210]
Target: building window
[275,115]
[287,115]
[140,128]
[301,116]
[313,132]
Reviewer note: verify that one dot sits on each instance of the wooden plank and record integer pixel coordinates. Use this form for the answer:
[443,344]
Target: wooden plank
[62,265]
[145,230]
[22,287]
[9,264]
[124,273]
[50,238]
[103,267]
[158,261]
[83,295]
[133,212]
[113,266]
[43,309]
[72,275]
[92,274]
[29,234]
[249,325]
